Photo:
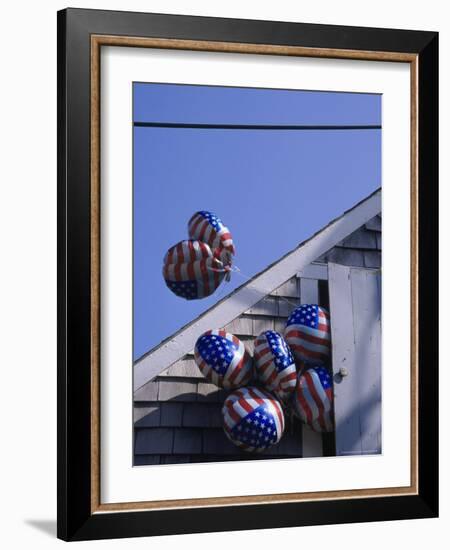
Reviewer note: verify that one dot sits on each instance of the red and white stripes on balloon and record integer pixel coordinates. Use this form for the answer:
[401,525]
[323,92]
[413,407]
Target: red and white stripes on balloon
[192,262]
[308,334]
[266,426]
[208,228]
[274,364]
[239,370]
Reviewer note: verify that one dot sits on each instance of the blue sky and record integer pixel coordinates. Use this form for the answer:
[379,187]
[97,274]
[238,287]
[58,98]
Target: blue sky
[273,189]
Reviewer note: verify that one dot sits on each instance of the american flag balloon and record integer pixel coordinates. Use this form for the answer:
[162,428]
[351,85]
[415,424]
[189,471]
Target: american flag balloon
[253,419]
[207,227]
[191,271]
[274,364]
[223,359]
[313,399]
[308,334]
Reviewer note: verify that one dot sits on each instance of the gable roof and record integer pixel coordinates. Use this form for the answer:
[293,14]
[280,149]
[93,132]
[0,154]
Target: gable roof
[251,292]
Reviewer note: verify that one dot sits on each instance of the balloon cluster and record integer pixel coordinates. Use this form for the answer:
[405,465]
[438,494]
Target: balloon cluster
[285,372]
[194,268]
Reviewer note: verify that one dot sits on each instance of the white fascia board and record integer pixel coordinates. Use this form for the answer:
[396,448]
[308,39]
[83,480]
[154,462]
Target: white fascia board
[150,365]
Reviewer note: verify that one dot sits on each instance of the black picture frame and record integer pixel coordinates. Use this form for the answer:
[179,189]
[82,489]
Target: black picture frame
[76,520]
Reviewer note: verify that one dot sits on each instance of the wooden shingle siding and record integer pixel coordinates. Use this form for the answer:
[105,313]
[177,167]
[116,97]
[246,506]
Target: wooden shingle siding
[374,224]
[318,271]
[309,291]
[171,413]
[262,324]
[187,441]
[200,416]
[285,308]
[280,324]
[372,258]
[362,248]
[312,441]
[267,306]
[242,325]
[355,304]
[379,237]
[207,392]
[289,289]
[183,368]
[154,441]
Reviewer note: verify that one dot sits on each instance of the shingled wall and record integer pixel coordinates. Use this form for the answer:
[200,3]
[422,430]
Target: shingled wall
[178,414]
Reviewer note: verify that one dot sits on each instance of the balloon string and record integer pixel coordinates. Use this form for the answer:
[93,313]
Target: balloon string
[239,272]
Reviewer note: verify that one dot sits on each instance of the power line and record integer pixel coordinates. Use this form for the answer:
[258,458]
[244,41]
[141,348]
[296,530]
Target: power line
[257,126]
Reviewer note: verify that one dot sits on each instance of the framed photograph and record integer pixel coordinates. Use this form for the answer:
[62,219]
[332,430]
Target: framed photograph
[247,260]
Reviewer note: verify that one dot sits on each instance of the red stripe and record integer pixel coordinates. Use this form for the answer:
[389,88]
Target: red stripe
[260,354]
[192,252]
[238,367]
[245,405]
[190,270]
[192,218]
[264,366]
[240,394]
[212,236]
[288,378]
[255,397]
[307,352]
[235,340]
[247,377]
[317,400]
[204,250]
[307,337]
[265,351]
